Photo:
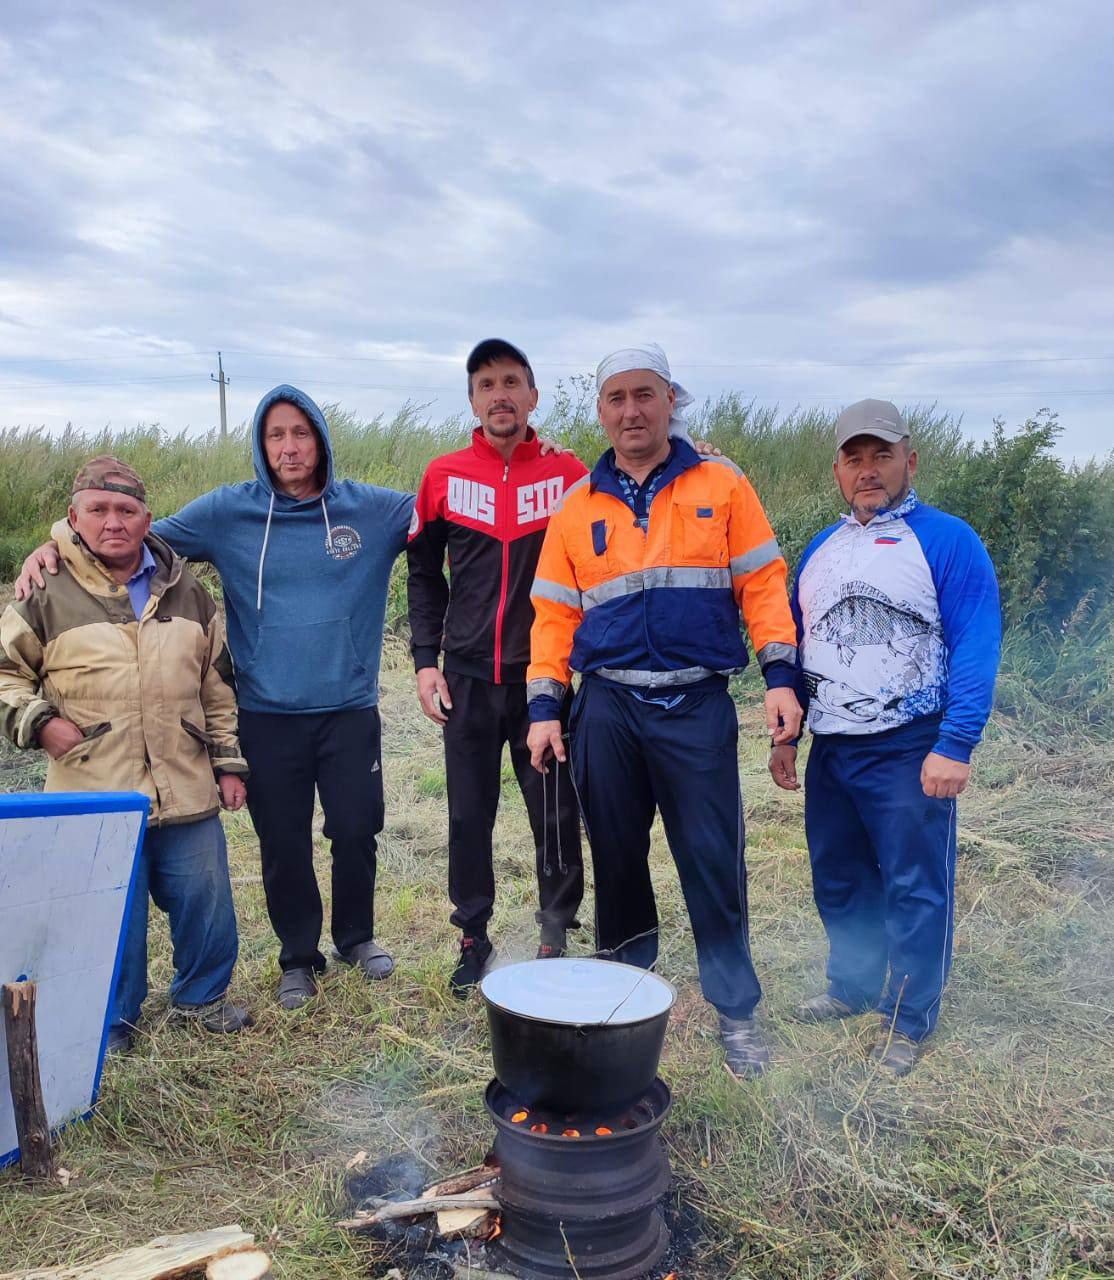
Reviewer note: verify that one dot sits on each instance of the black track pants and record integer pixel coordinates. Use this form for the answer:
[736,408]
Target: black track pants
[484,716]
[676,752]
[337,753]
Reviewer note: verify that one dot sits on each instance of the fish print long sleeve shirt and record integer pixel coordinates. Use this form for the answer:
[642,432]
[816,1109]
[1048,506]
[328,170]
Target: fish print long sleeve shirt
[898,619]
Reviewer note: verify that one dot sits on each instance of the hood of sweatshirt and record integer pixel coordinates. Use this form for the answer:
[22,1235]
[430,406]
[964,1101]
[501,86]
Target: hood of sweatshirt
[305,579]
[284,393]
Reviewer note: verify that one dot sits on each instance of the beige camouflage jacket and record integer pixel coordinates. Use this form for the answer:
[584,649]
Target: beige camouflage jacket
[154,697]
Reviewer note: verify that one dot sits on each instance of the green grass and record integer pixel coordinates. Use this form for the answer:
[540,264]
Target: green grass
[993,1159]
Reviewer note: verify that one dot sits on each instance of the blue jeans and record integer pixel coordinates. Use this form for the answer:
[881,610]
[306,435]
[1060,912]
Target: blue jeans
[185,870]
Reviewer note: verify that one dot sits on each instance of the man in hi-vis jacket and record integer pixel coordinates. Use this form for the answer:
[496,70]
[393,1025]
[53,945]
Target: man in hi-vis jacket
[643,575]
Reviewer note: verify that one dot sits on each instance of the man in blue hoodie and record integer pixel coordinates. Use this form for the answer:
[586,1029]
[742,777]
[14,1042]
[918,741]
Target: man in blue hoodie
[304,560]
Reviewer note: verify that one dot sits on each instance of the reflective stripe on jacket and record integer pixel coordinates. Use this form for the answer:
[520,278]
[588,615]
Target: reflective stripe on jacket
[660,608]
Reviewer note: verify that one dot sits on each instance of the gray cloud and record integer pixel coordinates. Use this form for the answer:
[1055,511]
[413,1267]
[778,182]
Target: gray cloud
[771,183]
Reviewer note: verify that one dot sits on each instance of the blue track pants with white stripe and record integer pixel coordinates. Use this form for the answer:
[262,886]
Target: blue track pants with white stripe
[883,871]
[676,752]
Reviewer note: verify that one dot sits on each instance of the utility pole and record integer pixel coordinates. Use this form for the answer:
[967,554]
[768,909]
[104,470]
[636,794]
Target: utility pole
[222,381]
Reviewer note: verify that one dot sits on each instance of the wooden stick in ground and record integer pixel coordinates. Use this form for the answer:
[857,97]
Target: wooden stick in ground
[36,1155]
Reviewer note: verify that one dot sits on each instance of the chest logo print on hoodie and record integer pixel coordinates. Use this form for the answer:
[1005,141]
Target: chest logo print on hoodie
[343,542]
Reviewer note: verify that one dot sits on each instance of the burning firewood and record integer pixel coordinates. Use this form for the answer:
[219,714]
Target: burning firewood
[415,1209]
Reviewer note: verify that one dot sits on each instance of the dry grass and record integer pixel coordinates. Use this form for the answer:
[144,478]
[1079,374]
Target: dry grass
[993,1159]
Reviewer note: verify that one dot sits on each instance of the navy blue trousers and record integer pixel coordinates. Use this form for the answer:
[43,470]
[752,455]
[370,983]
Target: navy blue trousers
[883,872]
[680,756]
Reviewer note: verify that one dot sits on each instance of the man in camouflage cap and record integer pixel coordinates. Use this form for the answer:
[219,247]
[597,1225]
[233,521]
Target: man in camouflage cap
[118,669]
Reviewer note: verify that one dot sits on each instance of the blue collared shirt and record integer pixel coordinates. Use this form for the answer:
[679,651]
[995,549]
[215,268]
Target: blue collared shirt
[139,584]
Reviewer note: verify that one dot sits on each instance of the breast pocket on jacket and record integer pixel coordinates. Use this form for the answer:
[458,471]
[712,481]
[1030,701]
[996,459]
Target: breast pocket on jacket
[700,533]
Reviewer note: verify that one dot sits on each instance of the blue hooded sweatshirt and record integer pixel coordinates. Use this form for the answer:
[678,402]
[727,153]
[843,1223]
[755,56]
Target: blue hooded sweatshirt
[305,580]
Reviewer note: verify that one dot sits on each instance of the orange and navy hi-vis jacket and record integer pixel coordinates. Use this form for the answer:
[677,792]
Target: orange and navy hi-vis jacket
[659,609]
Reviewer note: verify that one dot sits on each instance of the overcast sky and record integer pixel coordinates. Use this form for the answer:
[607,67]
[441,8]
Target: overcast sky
[804,202]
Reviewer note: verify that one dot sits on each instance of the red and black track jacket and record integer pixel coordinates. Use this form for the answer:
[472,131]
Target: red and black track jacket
[490,516]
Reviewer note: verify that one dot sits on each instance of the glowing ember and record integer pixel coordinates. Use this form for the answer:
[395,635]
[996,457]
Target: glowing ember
[539,1128]
[570,1133]
[602,1132]
[519,1116]
[497,1230]
[671,1276]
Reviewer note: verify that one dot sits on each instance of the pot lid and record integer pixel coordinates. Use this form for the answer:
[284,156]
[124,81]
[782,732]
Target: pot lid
[578,991]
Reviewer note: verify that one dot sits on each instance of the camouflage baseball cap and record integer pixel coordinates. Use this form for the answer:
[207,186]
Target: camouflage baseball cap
[106,472]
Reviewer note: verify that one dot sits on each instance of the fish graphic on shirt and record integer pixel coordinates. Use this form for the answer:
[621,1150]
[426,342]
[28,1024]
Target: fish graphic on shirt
[864,615]
[838,699]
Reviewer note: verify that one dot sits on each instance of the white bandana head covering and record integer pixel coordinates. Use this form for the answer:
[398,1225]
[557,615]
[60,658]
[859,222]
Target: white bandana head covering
[648,356]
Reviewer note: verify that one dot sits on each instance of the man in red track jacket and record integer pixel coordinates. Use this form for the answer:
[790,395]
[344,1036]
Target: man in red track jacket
[488,506]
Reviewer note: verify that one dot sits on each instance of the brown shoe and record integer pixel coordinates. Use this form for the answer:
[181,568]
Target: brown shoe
[894,1051]
[745,1051]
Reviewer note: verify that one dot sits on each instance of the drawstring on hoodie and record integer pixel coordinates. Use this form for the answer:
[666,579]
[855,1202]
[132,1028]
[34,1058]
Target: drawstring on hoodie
[263,553]
[328,526]
[267,538]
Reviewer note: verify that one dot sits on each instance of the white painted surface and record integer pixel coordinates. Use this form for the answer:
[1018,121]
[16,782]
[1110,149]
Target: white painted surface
[64,880]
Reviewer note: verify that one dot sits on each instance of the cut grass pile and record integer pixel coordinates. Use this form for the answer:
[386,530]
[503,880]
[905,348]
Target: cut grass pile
[993,1159]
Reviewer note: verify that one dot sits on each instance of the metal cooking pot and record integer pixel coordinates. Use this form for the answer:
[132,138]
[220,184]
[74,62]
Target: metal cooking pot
[575,1035]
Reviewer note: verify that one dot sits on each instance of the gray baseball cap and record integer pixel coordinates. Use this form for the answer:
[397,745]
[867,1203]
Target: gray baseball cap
[871,418]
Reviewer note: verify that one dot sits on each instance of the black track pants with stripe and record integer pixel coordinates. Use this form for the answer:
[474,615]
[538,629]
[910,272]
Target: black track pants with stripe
[677,754]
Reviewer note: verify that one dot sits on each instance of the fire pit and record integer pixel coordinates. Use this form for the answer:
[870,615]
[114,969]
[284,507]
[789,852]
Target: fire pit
[580,1188]
[577,1106]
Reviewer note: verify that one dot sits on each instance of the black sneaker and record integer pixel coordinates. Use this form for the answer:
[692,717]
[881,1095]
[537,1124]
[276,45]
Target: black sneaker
[475,956]
[554,942]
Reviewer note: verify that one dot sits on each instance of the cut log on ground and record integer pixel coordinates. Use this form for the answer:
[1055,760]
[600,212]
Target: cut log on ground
[36,1155]
[167,1258]
[243,1264]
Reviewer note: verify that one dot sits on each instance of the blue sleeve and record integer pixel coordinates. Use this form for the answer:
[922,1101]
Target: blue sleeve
[544,707]
[971,619]
[193,532]
[401,514]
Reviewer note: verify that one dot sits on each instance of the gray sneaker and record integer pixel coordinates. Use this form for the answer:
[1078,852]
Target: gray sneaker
[370,958]
[221,1017]
[822,1008]
[746,1053]
[296,987]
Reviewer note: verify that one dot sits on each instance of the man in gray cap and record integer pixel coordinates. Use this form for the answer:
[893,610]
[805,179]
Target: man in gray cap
[898,633]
